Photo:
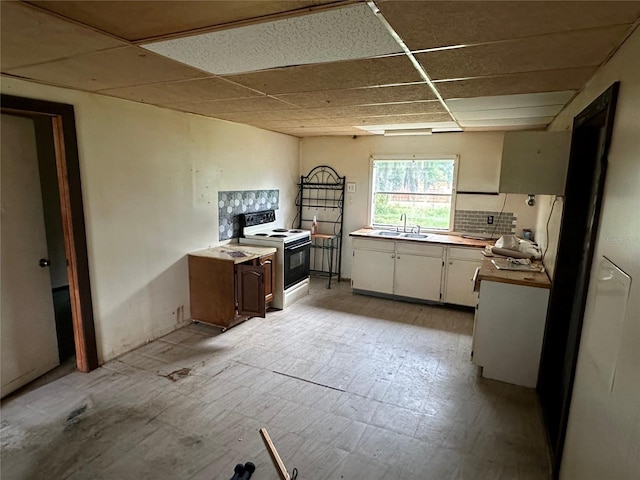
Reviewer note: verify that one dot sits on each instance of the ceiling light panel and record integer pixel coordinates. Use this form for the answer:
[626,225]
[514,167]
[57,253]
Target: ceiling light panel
[340,34]
[435,127]
[496,102]
[504,113]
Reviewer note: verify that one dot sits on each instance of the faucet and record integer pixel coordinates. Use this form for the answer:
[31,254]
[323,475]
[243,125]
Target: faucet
[404,226]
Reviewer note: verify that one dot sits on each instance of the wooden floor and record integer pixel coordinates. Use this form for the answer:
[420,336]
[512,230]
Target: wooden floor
[349,387]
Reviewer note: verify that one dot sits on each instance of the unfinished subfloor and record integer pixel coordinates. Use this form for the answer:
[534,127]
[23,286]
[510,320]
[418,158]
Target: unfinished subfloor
[348,386]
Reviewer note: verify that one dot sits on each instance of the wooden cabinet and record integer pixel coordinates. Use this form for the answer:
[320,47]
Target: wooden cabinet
[460,266]
[225,291]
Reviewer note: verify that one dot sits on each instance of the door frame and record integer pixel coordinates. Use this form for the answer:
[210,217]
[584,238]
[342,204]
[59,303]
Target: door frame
[567,302]
[68,176]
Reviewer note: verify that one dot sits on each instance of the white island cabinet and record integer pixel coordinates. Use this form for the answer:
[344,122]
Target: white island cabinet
[509,324]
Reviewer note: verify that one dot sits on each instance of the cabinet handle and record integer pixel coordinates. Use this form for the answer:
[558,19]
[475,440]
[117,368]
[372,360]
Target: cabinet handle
[393,256]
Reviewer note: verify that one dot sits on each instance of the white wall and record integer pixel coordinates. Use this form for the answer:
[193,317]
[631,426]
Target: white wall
[479,171]
[603,435]
[150,178]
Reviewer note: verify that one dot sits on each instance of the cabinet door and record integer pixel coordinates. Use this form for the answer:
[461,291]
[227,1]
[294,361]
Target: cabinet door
[418,277]
[269,276]
[250,285]
[373,271]
[459,283]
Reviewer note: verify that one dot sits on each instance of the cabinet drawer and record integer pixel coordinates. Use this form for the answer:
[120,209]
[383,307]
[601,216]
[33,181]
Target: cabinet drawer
[419,249]
[380,245]
[466,253]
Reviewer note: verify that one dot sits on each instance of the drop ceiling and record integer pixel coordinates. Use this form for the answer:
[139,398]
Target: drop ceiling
[323,67]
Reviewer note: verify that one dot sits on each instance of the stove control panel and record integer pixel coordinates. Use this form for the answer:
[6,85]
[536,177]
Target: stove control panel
[258,218]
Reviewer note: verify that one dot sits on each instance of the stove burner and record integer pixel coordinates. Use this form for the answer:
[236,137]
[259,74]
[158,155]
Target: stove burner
[262,234]
[296,231]
[278,235]
[280,230]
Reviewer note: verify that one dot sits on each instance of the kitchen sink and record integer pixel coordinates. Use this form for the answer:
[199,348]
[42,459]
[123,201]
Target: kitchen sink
[385,233]
[414,235]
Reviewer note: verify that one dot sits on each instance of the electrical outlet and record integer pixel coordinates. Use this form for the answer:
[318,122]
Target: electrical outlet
[351,187]
[490,219]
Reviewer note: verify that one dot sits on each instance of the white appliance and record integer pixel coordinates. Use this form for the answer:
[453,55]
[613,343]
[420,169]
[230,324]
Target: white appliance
[292,255]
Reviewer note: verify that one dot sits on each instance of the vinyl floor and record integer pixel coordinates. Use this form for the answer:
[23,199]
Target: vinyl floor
[348,387]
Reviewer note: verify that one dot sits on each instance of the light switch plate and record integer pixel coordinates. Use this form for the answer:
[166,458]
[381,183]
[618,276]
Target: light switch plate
[351,187]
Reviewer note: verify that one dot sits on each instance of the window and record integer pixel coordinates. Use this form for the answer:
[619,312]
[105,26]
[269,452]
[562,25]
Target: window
[421,188]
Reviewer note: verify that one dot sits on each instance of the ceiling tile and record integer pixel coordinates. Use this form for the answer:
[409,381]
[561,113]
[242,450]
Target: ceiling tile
[322,131]
[505,113]
[506,122]
[409,108]
[120,67]
[30,36]
[549,52]
[510,101]
[395,119]
[137,20]
[269,115]
[255,104]
[327,36]
[361,96]
[302,123]
[445,23]
[546,81]
[331,76]
[199,90]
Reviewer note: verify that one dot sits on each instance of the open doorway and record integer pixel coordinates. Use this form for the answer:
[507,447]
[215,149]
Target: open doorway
[584,189]
[54,125]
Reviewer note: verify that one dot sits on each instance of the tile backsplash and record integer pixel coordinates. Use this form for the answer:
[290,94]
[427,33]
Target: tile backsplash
[232,203]
[475,221]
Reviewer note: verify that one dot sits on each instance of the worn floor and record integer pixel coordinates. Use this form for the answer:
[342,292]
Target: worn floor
[349,387]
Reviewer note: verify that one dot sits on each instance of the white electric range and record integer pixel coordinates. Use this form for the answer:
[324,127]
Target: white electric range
[292,255]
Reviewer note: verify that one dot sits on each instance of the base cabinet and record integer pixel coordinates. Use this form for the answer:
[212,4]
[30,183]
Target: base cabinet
[418,276]
[508,331]
[224,293]
[411,270]
[460,267]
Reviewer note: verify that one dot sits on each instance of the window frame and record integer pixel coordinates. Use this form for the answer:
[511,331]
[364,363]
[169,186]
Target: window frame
[454,188]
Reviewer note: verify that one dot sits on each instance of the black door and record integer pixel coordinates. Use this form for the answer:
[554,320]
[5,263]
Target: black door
[578,231]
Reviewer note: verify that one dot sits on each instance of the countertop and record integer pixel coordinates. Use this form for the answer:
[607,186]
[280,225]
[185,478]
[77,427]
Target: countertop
[530,279]
[234,253]
[434,238]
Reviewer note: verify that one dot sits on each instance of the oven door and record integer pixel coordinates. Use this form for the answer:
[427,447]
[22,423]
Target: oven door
[296,261]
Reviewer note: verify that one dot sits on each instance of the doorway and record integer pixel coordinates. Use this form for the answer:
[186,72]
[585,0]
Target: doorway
[590,142]
[55,125]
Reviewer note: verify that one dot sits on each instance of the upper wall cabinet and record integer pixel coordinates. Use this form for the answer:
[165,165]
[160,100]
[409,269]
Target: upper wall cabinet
[535,162]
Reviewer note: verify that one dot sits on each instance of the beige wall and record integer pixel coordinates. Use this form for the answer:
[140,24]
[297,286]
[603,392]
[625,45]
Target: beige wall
[604,426]
[480,155]
[150,178]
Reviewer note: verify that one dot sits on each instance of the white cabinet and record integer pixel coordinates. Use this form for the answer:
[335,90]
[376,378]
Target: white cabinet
[399,269]
[460,266]
[373,270]
[418,276]
[535,162]
[508,331]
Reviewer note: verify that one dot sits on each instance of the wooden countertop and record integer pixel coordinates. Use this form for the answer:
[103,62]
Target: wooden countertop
[530,279]
[234,253]
[434,238]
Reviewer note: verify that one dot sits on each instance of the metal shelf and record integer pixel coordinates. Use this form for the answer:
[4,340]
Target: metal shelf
[322,190]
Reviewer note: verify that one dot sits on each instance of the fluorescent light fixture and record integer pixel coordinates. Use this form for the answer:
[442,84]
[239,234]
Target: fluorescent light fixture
[399,132]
